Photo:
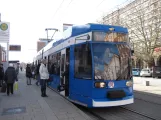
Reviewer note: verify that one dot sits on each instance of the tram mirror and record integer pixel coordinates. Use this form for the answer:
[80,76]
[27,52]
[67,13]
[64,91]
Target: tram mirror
[88,37]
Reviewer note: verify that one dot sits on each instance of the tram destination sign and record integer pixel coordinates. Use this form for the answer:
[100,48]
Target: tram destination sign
[14,47]
[4,31]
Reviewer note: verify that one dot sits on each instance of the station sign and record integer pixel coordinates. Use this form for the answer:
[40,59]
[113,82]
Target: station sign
[14,47]
[4,31]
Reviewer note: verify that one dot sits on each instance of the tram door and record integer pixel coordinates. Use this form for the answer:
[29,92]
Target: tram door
[64,71]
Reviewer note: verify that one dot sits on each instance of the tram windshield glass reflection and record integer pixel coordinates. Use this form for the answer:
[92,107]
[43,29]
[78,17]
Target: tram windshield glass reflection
[111,61]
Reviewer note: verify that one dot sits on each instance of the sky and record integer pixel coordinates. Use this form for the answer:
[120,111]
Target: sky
[29,18]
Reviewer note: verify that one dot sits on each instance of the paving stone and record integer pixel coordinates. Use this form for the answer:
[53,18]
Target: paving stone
[28,117]
[72,115]
[79,118]
[67,119]
[64,116]
[40,117]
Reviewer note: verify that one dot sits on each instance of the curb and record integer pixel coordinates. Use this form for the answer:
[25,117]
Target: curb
[77,109]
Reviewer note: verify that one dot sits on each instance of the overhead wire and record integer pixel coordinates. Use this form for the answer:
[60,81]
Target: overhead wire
[100,3]
[58,7]
[67,6]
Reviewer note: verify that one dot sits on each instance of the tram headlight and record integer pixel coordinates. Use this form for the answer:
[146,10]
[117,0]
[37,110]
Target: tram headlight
[129,83]
[100,84]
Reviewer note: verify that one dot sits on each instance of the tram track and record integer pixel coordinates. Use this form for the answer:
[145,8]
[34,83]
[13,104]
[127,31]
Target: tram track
[148,101]
[90,113]
[147,116]
[105,113]
[148,98]
[121,109]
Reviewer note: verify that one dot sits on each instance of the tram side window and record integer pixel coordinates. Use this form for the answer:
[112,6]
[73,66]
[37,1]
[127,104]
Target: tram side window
[58,63]
[62,62]
[55,67]
[83,62]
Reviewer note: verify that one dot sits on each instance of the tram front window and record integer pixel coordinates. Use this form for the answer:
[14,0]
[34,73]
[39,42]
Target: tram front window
[83,62]
[111,61]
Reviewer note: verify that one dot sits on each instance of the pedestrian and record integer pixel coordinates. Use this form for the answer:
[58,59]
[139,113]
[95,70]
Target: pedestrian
[10,78]
[44,76]
[17,70]
[33,71]
[21,68]
[28,74]
[1,74]
[37,74]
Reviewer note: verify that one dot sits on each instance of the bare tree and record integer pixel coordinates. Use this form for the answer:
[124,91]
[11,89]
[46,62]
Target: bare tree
[145,31]
[144,25]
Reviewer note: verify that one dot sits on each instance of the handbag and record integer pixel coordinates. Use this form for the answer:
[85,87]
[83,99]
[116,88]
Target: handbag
[4,87]
[16,86]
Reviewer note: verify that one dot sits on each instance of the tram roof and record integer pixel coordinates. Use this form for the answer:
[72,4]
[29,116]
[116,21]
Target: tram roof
[76,30]
[81,29]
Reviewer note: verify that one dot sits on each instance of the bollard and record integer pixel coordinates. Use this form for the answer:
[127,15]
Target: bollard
[146,83]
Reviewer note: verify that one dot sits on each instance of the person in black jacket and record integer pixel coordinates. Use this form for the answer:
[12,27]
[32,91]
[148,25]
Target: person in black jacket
[37,74]
[1,74]
[10,78]
[52,68]
[28,74]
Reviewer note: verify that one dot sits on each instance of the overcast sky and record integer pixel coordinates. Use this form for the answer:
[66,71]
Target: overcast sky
[29,18]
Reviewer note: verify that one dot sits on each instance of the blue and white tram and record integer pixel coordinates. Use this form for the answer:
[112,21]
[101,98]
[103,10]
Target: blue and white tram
[99,70]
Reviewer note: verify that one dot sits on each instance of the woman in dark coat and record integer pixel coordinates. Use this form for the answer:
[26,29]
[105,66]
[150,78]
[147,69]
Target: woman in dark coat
[28,74]
[10,78]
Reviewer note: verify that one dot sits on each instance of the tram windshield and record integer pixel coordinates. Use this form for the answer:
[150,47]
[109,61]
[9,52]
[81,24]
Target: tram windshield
[111,61]
[110,36]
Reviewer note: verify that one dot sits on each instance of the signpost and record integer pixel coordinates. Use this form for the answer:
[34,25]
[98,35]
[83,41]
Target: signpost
[4,31]
[5,35]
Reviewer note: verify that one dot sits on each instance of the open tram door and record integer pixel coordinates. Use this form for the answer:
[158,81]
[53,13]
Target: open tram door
[64,72]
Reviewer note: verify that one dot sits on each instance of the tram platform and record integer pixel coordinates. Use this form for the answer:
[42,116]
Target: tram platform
[27,104]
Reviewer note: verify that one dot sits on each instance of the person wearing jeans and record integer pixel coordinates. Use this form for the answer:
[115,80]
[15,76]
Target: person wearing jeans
[44,76]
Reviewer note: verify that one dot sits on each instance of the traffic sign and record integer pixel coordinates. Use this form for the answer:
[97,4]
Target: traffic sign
[14,47]
[4,31]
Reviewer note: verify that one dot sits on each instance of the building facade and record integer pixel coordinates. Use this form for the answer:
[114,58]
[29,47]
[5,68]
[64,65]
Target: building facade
[137,16]
[2,54]
[40,45]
